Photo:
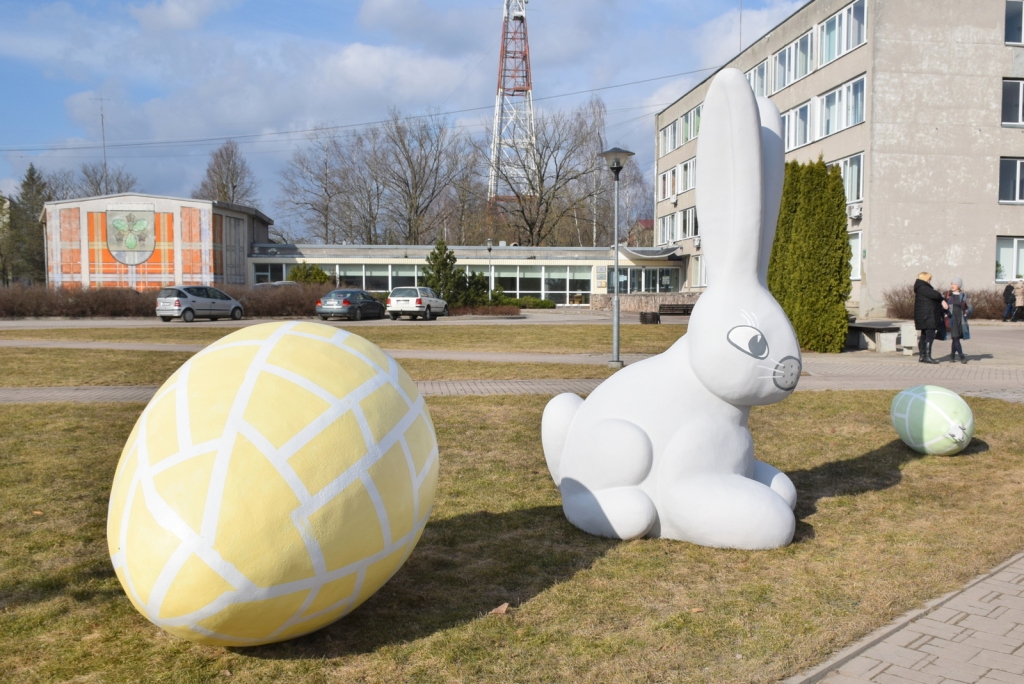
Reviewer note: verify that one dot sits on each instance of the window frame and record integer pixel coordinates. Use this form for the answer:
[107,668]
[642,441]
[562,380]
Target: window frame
[1006,22]
[844,99]
[1017,180]
[855,256]
[752,76]
[790,71]
[844,165]
[1016,251]
[844,18]
[1020,103]
[687,176]
[691,123]
[788,135]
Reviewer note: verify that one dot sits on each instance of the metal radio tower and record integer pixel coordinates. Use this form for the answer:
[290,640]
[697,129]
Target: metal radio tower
[513,137]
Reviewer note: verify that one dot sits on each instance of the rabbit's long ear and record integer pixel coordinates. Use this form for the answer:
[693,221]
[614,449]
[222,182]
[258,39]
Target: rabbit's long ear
[773,171]
[729,179]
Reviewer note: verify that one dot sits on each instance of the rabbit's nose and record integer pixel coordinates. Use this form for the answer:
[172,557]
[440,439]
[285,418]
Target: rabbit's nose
[787,373]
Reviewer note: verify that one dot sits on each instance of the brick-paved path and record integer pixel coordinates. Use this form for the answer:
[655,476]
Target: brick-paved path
[38,395]
[975,635]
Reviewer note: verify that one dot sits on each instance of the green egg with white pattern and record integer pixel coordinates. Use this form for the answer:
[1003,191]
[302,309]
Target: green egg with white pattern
[932,420]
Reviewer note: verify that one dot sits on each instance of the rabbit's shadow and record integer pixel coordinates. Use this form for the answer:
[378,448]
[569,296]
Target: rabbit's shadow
[874,471]
[462,568]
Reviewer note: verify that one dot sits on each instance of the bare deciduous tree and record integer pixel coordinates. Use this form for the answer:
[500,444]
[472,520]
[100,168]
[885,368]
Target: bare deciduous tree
[418,162]
[98,179]
[361,188]
[311,187]
[228,177]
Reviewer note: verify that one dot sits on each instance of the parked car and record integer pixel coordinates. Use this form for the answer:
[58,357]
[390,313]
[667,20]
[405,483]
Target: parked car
[194,302]
[354,305]
[415,302]
[276,283]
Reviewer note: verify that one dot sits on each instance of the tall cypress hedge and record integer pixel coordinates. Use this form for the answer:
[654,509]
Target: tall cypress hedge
[809,271]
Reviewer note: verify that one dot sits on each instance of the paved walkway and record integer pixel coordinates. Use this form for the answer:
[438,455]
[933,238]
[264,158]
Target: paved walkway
[974,635]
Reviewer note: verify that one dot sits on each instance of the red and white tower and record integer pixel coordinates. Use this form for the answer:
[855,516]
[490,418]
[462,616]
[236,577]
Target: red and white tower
[513,137]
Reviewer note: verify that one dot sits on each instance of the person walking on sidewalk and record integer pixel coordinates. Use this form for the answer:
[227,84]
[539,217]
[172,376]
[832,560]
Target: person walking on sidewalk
[928,312]
[959,311]
[1009,300]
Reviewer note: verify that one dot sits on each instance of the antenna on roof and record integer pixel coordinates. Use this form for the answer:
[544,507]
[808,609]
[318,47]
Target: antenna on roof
[103,132]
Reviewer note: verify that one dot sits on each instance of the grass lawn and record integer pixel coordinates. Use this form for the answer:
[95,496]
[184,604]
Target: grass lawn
[881,530]
[22,367]
[553,339]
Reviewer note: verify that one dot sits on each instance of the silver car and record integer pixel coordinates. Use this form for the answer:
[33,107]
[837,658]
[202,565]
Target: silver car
[194,302]
[415,302]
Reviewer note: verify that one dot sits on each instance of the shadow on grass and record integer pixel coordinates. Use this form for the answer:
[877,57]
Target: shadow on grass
[871,472]
[462,568]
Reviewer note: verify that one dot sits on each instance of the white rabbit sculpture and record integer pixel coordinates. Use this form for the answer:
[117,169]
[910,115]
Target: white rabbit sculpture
[662,447]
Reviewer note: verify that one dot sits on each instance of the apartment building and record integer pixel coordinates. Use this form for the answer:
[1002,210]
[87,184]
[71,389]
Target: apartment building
[920,104]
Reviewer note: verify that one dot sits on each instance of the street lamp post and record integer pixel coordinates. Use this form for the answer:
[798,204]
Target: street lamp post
[616,159]
[490,270]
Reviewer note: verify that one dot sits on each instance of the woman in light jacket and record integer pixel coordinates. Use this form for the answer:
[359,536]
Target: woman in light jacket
[1018,295]
[959,311]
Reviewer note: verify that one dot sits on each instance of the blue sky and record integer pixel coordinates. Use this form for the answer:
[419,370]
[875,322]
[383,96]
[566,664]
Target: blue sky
[173,70]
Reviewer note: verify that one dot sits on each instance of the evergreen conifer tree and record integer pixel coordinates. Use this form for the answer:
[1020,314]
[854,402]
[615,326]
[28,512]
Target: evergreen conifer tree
[782,249]
[29,245]
[817,280]
[442,276]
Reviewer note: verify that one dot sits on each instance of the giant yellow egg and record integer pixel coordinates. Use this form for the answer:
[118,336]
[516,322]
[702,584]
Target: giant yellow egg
[276,481]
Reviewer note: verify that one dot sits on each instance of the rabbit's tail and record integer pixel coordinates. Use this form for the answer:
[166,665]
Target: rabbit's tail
[558,417]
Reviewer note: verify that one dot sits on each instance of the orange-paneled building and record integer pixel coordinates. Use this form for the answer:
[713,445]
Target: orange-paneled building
[145,242]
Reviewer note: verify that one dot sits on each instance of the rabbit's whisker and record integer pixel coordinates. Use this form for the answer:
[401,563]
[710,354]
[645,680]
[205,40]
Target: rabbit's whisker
[776,375]
[771,368]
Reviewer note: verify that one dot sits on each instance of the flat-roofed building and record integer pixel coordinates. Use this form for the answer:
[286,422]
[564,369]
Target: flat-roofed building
[147,241]
[920,104]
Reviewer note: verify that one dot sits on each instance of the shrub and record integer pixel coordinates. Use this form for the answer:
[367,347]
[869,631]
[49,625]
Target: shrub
[308,273]
[899,302]
[39,301]
[493,310]
[280,300]
[987,303]
[534,303]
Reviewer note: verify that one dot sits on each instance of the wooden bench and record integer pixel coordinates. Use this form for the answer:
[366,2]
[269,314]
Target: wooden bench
[675,309]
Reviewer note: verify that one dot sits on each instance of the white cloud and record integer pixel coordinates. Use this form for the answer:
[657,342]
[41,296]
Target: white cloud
[176,15]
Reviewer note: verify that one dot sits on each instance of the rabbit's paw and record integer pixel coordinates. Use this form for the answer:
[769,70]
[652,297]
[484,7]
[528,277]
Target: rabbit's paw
[727,511]
[554,428]
[777,481]
[600,477]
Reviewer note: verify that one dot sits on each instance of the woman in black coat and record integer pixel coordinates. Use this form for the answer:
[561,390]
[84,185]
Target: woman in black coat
[928,314]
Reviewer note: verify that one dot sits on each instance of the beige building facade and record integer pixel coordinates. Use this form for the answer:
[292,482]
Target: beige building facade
[921,104]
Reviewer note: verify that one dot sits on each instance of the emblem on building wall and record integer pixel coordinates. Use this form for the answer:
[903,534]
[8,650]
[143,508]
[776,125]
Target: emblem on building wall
[131,237]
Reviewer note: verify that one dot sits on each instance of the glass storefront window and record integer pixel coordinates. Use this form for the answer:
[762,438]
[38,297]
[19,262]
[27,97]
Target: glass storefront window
[555,280]
[403,276]
[529,280]
[650,280]
[505,276]
[635,280]
[350,276]
[377,278]
[668,280]
[556,297]
[579,279]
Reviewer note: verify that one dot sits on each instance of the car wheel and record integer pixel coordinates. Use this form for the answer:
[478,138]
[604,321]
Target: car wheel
[359,315]
[394,317]
[380,313]
[445,312]
[212,318]
[426,314]
[413,317]
[323,318]
[236,314]
[188,315]
[165,319]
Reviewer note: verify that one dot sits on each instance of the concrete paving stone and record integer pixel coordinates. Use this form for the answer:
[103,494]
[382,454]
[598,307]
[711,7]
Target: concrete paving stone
[989,625]
[939,629]
[947,615]
[888,678]
[836,678]
[1003,678]
[960,672]
[999,661]
[993,642]
[902,674]
[905,637]
[897,655]
[948,649]
[860,666]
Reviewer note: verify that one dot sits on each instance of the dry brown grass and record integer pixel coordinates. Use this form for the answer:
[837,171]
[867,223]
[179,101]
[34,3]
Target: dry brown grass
[22,367]
[554,339]
[25,367]
[881,530]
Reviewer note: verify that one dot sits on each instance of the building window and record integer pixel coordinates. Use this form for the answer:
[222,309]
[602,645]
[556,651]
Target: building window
[841,108]
[855,255]
[1014,21]
[1009,258]
[635,280]
[794,61]
[853,176]
[842,32]
[758,79]
[666,229]
[403,276]
[688,223]
[663,187]
[268,273]
[1012,101]
[688,175]
[698,276]
[691,124]
[796,126]
[669,138]
[673,181]
[1011,180]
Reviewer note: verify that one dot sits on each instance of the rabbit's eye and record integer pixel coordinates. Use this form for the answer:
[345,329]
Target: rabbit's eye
[749,340]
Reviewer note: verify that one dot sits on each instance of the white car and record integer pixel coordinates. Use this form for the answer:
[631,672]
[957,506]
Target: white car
[194,302]
[415,302]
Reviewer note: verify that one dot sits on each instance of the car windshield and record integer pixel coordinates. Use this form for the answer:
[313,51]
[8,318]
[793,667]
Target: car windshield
[405,292]
[167,292]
